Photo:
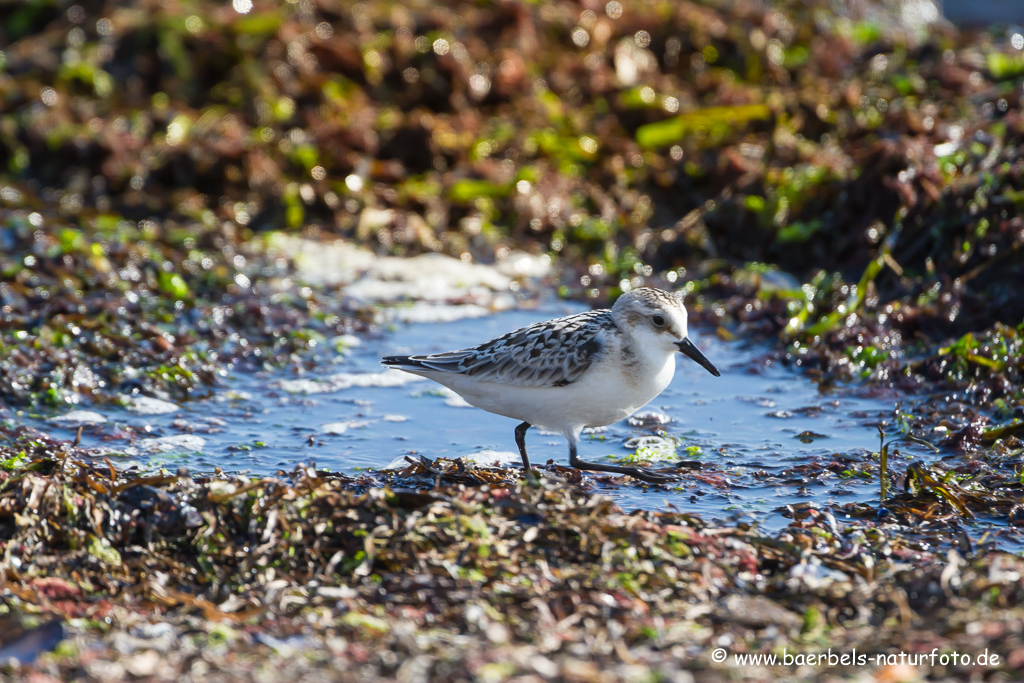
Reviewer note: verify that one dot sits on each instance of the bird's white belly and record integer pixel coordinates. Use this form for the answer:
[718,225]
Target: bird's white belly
[603,396]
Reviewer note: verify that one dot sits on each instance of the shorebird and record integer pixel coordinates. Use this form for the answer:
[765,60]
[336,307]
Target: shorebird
[584,370]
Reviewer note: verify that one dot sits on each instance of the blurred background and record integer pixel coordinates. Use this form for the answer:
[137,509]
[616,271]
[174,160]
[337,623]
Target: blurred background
[147,148]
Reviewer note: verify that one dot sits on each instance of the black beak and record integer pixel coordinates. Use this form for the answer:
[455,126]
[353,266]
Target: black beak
[690,349]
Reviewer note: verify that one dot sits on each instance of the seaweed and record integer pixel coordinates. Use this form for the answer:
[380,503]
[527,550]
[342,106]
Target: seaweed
[242,567]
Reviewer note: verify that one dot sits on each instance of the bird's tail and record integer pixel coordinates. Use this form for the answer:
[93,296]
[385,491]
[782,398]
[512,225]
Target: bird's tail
[449,362]
[401,362]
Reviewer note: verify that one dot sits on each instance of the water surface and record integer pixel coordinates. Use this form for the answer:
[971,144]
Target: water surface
[754,440]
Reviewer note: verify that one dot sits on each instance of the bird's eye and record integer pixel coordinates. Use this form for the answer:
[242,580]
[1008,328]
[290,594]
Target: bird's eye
[658,320]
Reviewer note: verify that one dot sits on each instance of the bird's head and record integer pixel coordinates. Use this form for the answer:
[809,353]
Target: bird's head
[656,318]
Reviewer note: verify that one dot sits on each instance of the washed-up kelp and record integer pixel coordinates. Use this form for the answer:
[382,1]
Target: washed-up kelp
[525,575]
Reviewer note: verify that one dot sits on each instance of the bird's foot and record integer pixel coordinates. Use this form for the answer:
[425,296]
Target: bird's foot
[651,477]
[640,473]
[636,472]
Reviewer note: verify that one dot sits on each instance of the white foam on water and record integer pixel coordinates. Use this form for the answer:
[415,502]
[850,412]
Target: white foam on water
[147,405]
[346,380]
[77,418]
[178,442]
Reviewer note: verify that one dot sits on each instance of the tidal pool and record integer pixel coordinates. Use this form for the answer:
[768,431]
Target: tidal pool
[750,442]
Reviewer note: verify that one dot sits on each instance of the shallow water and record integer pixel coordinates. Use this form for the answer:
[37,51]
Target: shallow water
[756,439]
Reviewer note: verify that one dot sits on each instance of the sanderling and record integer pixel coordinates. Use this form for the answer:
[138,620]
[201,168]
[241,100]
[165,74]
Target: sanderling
[585,370]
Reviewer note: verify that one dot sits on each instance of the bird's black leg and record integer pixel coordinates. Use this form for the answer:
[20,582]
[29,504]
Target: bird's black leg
[635,472]
[521,442]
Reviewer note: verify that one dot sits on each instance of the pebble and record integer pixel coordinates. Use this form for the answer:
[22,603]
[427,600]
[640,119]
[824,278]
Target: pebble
[334,428]
[144,664]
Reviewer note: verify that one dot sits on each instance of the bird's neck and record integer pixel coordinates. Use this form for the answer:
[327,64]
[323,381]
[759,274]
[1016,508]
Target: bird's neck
[644,356]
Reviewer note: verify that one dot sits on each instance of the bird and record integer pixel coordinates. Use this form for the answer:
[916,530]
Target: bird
[584,370]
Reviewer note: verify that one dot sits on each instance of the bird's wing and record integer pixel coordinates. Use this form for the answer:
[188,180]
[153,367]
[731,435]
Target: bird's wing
[553,353]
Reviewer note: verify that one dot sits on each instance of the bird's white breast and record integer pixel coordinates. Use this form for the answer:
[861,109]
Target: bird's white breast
[608,392]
